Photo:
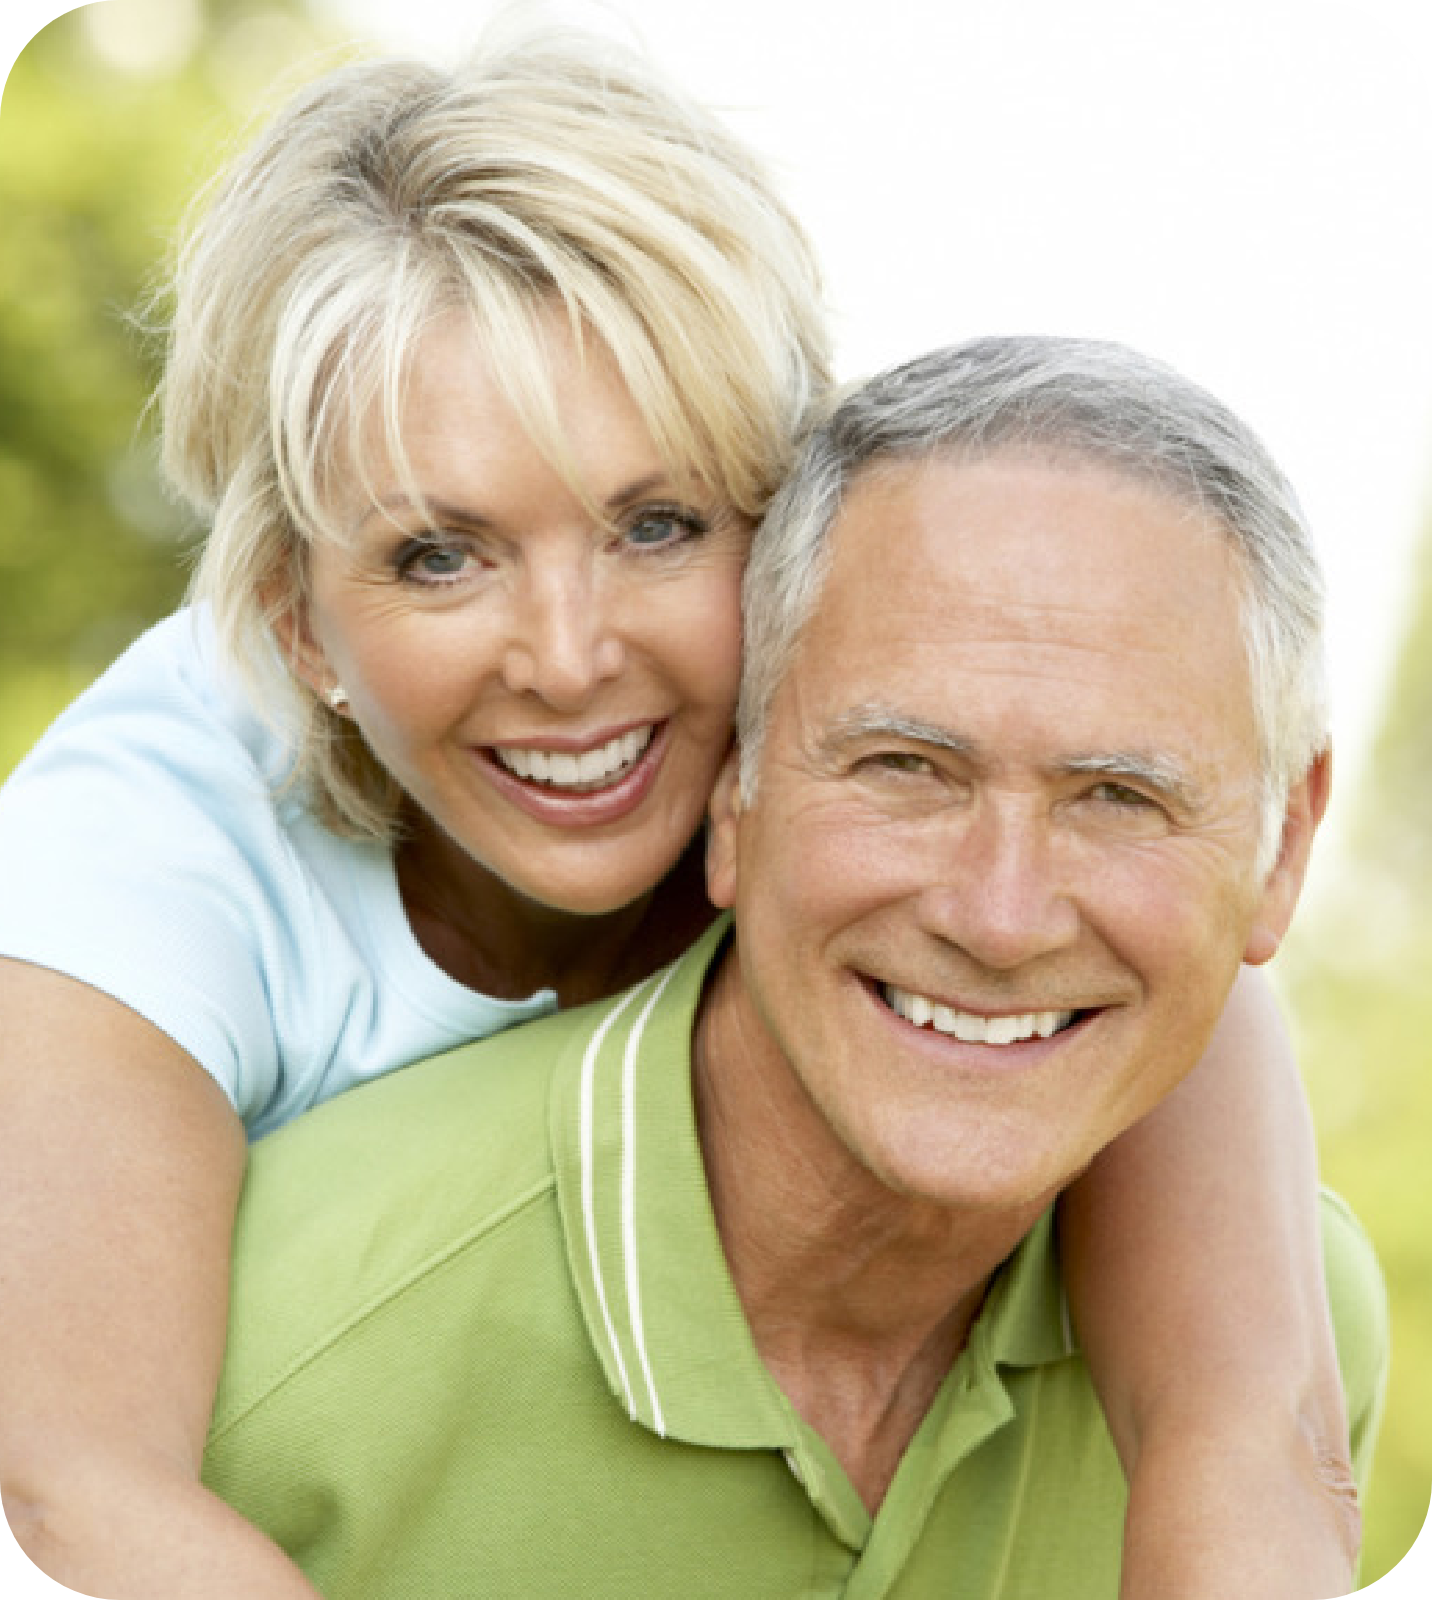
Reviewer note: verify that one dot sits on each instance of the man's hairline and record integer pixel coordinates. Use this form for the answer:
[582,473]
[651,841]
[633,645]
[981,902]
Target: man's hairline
[1059,454]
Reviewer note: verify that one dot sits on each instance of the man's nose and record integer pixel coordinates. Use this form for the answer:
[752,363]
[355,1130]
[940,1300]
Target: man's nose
[999,890]
[563,642]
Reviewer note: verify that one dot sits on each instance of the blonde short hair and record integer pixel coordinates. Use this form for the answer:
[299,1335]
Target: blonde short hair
[548,169]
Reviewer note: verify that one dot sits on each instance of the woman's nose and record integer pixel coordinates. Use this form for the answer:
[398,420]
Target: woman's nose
[563,643]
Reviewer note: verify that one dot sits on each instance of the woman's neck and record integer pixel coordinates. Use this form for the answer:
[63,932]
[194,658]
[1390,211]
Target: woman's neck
[487,935]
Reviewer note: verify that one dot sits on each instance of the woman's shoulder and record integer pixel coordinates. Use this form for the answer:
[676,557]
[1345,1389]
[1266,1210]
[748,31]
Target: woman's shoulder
[169,699]
[147,852]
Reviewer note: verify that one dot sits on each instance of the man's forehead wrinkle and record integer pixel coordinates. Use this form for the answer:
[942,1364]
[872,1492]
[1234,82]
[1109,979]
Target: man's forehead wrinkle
[994,620]
[1061,623]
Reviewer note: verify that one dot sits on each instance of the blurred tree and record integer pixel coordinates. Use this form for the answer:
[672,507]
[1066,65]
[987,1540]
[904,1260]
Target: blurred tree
[1393,832]
[111,118]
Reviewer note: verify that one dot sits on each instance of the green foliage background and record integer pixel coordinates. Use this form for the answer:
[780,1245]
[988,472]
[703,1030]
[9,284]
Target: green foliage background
[95,166]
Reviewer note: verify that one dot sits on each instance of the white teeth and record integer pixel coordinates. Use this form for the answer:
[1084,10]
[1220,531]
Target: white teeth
[593,769]
[970,1028]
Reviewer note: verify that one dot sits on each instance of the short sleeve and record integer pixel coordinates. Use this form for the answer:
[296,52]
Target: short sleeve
[140,852]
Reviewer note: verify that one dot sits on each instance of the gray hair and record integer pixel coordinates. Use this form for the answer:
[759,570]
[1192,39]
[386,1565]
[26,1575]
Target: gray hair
[1061,399]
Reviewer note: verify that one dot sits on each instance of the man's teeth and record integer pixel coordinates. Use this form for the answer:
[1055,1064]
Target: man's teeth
[972,1029]
[593,769]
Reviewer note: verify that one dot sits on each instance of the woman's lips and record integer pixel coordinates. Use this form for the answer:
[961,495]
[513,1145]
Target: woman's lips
[597,767]
[580,788]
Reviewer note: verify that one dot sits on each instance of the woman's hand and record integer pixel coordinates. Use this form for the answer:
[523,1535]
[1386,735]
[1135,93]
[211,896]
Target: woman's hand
[1193,1256]
[1240,1502]
[120,1167]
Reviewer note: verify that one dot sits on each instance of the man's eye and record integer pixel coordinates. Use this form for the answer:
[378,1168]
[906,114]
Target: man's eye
[903,762]
[1121,796]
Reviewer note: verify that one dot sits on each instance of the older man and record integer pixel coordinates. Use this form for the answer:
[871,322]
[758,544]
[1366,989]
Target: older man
[743,1283]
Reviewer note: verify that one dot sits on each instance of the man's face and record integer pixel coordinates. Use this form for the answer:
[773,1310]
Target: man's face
[999,871]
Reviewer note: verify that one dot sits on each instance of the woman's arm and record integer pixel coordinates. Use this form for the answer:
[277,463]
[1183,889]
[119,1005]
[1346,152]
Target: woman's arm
[1194,1266]
[120,1167]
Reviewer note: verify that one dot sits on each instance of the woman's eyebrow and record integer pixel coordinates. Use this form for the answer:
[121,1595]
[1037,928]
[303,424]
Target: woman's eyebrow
[440,510]
[649,483]
[431,506]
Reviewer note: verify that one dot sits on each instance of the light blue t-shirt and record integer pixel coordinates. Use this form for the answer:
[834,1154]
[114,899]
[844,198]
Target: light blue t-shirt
[147,847]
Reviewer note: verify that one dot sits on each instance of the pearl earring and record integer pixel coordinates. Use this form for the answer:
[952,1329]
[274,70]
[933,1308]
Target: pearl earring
[337,697]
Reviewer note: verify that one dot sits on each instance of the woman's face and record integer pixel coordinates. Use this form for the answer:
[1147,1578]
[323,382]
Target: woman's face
[553,689]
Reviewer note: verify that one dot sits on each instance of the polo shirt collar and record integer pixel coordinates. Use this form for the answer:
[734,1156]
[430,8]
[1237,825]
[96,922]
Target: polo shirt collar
[648,1265]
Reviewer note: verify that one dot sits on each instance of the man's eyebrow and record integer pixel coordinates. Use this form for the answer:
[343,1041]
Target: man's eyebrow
[877,721]
[1161,773]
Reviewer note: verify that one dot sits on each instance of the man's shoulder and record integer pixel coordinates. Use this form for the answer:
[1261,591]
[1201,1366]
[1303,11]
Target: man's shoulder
[466,1108]
[436,1105]
[355,1205]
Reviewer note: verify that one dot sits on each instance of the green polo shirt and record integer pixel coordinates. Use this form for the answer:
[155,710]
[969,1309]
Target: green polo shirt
[485,1343]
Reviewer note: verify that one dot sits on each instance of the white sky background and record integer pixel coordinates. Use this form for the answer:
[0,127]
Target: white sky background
[1242,187]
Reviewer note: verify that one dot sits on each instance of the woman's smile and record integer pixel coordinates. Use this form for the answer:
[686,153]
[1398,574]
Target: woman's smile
[601,784]
[546,661]
[580,767]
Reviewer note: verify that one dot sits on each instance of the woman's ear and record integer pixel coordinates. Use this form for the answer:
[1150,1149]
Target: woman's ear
[724,814]
[293,633]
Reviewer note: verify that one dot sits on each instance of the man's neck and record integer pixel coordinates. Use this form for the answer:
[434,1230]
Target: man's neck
[859,1298]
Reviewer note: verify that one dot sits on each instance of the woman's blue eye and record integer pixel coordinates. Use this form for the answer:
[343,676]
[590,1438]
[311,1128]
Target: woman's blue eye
[655,528]
[429,561]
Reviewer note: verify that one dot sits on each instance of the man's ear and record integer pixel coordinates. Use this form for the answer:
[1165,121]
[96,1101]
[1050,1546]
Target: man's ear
[724,815]
[1307,805]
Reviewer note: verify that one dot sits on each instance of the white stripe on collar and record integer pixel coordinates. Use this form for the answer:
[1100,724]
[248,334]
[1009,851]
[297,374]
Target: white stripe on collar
[628,1192]
[589,1217]
[633,1283]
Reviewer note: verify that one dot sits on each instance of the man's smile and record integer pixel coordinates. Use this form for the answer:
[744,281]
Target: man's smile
[972,1027]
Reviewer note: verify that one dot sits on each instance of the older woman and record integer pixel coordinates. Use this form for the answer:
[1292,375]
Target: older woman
[481,380]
